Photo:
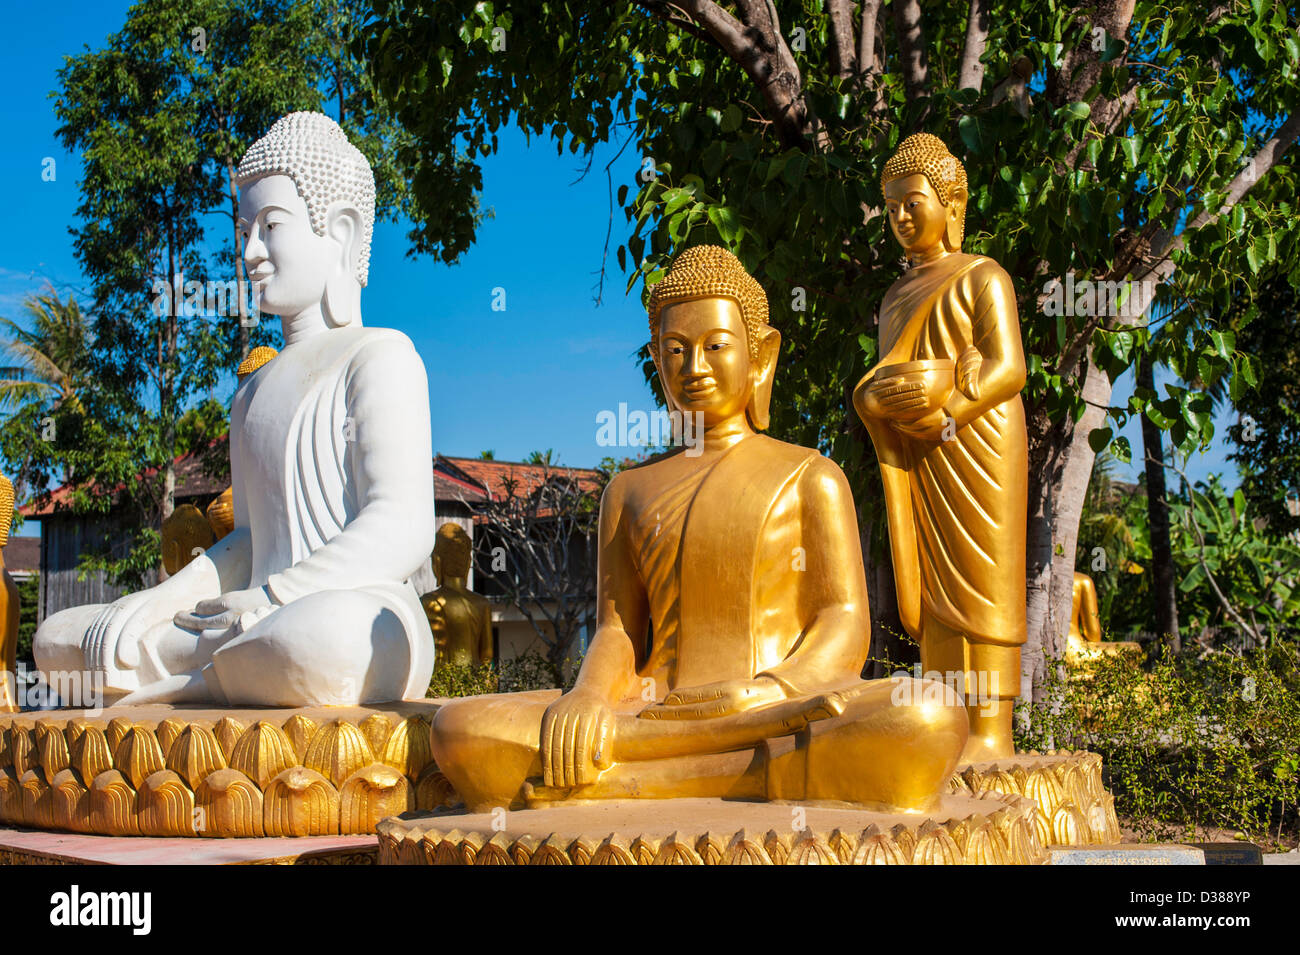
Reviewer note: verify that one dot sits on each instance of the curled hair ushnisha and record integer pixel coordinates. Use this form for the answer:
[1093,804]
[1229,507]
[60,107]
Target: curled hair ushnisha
[927,155]
[6,509]
[710,271]
[313,151]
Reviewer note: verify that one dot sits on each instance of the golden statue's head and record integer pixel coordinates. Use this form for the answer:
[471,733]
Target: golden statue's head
[925,195]
[451,552]
[710,340]
[6,509]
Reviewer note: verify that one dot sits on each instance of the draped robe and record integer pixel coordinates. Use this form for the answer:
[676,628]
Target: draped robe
[750,566]
[333,512]
[338,493]
[957,507]
[724,549]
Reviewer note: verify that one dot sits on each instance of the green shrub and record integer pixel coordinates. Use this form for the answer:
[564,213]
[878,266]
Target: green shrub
[528,671]
[1189,743]
[29,591]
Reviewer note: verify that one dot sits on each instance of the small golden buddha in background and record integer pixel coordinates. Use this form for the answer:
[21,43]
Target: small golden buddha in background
[732,622]
[8,608]
[944,413]
[460,619]
[186,533]
[1084,640]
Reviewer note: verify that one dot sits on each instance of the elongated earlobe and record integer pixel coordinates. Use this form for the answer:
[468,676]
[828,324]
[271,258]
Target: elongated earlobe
[760,399]
[955,226]
[342,300]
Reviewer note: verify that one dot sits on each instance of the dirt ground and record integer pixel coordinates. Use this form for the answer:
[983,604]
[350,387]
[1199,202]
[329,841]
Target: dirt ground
[1203,834]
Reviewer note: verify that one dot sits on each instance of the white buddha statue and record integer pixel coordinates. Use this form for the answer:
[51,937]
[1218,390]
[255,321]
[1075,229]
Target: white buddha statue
[307,601]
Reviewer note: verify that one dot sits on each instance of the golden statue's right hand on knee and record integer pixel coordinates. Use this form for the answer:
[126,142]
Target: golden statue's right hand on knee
[577,739]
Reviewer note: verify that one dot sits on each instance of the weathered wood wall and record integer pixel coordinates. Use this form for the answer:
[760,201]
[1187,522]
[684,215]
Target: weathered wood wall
[63,541]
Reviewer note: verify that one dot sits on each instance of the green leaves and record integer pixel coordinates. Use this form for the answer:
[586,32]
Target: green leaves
[1131,147]
[727,222]
[968,127]
[1073,111]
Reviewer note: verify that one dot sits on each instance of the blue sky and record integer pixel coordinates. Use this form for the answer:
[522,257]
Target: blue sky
[532,377]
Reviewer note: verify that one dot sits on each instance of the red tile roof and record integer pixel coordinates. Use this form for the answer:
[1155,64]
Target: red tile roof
[496,476]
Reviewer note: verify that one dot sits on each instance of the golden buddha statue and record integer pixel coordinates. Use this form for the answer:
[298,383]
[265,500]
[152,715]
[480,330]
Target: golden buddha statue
[8,608]
[944,413]
[460,619]
[732,622]
[186,533]
[1084,641]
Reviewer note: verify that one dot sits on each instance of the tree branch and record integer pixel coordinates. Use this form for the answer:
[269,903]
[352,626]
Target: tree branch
[664,10]
[868,62]
[757,45]
[971,72]
[1161,266]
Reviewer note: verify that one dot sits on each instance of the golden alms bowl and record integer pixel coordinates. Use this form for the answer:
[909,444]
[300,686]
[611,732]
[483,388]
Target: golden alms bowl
[937,375]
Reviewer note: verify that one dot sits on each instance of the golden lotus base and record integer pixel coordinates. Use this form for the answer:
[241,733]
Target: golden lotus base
[1074,808]
[193,772]
[961,830]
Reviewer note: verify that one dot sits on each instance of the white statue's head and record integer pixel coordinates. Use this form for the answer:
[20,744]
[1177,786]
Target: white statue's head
[307,211]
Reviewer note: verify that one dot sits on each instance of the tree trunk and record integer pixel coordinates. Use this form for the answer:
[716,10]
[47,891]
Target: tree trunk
[1058,481]
[241,280]
[887,643]
[1164,594]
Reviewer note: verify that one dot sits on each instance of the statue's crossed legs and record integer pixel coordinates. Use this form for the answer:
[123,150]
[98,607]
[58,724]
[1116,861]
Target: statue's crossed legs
[891,746]
[336,647]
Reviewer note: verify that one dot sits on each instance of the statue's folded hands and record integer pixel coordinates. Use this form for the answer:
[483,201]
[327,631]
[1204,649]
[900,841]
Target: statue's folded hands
[222,613]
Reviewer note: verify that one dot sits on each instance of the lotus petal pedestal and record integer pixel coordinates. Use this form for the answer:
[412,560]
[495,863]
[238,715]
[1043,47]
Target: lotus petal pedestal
[961,830]
[1074,808]
[178,771]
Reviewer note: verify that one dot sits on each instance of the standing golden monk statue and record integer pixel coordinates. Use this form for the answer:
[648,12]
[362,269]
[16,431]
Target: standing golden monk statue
[944,412]
[460,619]
[732,622]
[8,608]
